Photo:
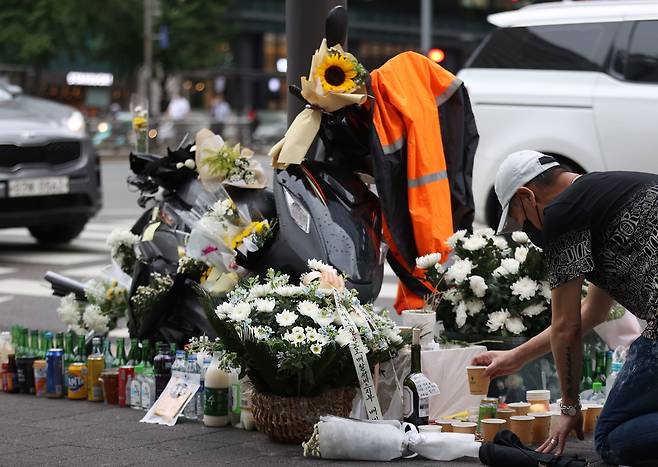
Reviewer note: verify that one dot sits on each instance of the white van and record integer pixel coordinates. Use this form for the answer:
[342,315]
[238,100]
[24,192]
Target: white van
[577,80]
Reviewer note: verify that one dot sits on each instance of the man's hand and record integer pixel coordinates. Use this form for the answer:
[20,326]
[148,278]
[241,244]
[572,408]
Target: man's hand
[498,363]
[558,438]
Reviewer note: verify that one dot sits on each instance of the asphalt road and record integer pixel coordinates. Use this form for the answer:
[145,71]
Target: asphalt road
[25,298]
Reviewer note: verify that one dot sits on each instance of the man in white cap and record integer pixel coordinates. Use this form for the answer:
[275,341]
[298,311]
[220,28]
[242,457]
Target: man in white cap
[602,227]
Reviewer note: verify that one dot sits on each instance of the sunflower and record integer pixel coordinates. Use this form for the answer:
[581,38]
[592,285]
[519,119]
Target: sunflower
[336,74]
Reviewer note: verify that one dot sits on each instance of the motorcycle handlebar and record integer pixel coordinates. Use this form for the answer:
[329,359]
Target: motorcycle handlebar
[63,286]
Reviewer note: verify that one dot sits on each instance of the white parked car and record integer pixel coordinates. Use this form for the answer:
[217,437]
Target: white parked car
[577,80]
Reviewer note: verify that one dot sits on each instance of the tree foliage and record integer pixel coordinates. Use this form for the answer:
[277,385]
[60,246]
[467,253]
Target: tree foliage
[35,32]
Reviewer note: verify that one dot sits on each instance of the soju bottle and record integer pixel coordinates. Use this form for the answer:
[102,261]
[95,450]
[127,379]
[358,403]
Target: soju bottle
[48,339]
[415,409]
[21,349]
[69,356]
[107,353]
[43,347]
[600,367]
[134,354]
[80,350]
[120,359]
[34,343]
[147,356]
[59,341]
[586,382]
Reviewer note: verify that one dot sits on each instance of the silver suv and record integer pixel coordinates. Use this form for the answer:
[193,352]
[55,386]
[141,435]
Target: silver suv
[49,173]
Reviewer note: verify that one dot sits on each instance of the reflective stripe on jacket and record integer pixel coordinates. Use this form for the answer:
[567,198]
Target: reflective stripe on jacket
[412,172]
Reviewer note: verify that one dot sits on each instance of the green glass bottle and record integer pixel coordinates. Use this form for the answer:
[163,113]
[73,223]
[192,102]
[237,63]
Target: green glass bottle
[172,348]
[120,359]
[48,342]
[107,353]
[134,354]
[599,373]
[69,355]
[586,382]
[42,346]
[81,350]
[415,409]
[147,357]
[59,340]
[22,348]
[34,343]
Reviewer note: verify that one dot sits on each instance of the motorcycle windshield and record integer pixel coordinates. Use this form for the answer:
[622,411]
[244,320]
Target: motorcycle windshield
[351,231]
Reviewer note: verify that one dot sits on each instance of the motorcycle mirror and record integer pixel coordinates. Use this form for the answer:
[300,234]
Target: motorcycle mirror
[335,27]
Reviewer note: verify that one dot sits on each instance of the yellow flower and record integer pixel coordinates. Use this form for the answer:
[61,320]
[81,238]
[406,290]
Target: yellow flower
[336,74]
[204,276]
[139,123]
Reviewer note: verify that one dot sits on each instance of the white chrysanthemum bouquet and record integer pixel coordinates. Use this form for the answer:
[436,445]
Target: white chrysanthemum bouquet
[289,338]
[492,287]
[106,301]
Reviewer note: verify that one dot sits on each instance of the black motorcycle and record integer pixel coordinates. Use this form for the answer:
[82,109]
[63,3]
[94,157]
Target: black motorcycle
[322,209]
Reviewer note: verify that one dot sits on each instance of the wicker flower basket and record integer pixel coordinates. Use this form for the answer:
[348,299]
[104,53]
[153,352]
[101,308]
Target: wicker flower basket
[291,419]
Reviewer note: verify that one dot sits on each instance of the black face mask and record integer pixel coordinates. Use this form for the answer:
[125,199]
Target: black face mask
[536,236]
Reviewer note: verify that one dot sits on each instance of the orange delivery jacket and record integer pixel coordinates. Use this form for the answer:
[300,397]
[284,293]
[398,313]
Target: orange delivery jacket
[423,141]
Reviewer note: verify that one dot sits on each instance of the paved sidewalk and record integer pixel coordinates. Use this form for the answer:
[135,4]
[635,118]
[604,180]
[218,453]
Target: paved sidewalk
[79,433]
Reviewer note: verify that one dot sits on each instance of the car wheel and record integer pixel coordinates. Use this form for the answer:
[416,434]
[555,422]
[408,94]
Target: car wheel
[57,233]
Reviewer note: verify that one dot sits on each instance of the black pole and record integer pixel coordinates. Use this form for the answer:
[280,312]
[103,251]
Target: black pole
[304,32]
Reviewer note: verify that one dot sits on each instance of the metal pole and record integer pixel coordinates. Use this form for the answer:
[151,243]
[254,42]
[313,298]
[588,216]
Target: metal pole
[148,48]
[304,32]
[425,26]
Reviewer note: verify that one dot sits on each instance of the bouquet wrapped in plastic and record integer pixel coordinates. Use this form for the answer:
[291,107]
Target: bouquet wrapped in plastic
[342,438]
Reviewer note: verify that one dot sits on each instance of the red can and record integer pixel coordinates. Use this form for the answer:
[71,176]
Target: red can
[125,373]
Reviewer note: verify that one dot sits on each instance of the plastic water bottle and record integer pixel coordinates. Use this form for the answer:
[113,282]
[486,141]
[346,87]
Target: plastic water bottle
[614,372]
[179,366]
[202,387]
[192,375]
[597,393]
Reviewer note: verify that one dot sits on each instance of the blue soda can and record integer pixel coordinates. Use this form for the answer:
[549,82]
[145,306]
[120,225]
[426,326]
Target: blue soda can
[55,373]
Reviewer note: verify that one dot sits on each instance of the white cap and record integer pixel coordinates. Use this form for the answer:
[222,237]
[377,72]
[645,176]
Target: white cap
[516,170]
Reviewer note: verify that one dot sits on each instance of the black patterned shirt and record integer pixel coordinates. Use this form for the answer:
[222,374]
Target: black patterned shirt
[605,227]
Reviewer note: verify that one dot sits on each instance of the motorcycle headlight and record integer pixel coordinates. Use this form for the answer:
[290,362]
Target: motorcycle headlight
[298,212]
[76,123]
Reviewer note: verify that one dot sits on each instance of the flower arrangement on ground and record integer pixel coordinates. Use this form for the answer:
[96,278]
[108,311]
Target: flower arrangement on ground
[289,339]
[494,286]
[106,301]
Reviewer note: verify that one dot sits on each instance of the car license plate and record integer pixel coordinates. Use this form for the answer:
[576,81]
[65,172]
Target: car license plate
[38,186]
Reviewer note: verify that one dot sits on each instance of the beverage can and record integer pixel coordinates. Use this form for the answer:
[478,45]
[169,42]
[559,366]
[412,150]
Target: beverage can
[40,375]
[94,387]
[76,384]
[125,372]
[488,409]
[55,373]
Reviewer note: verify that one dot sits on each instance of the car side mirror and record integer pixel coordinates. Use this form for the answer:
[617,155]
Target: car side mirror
[640,67]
